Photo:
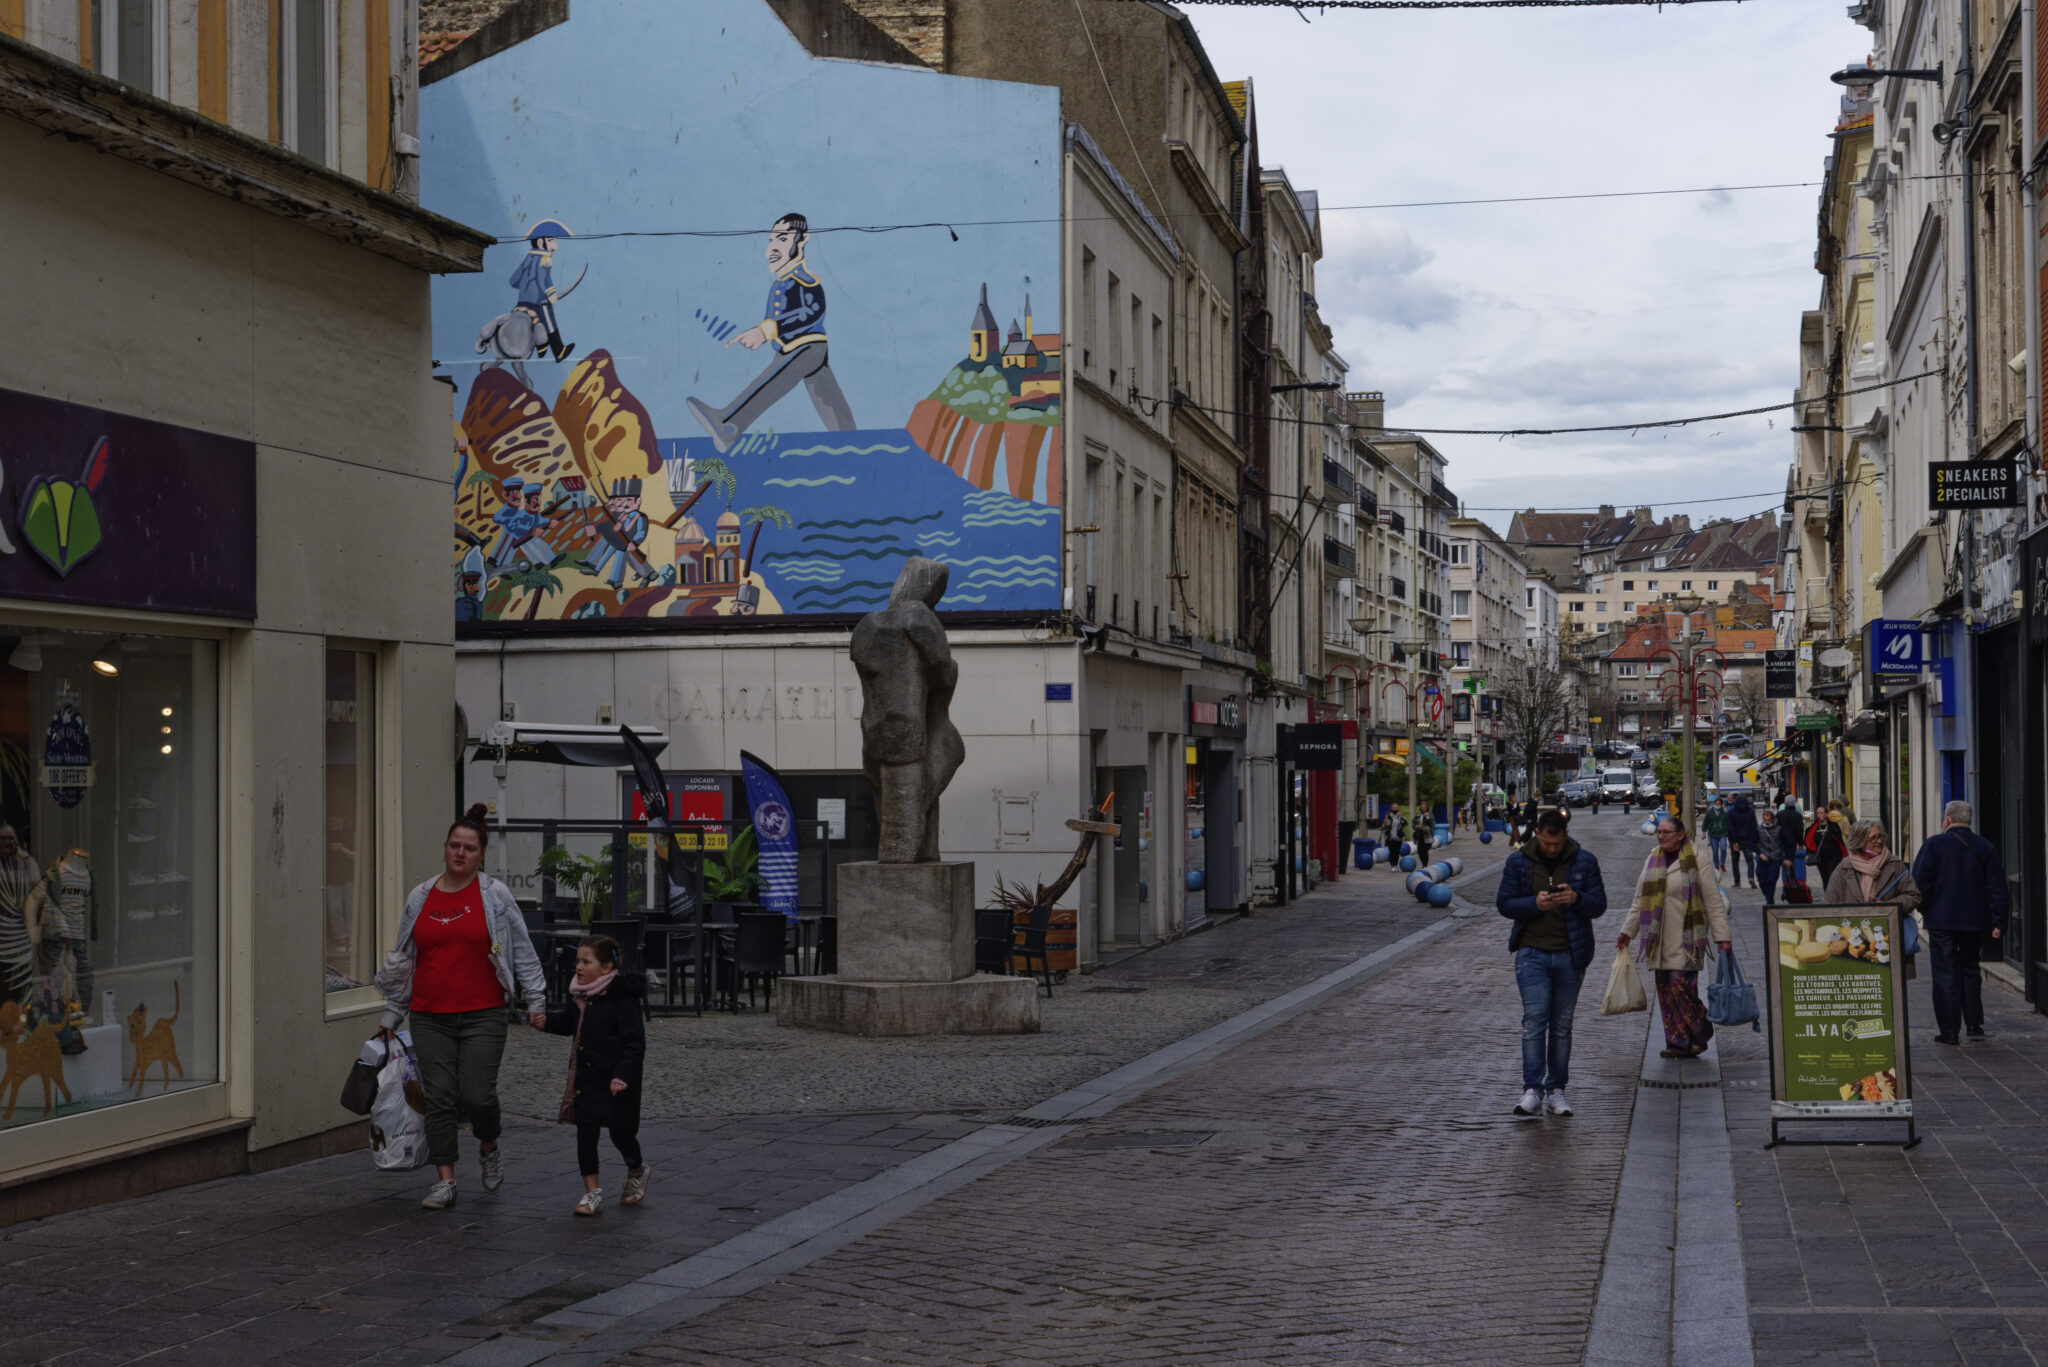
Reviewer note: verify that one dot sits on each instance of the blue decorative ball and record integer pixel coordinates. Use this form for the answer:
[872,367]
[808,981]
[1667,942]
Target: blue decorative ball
[1486,837]
[1457,865]
[1407,847]
[1439,895]
[1424,889]
[1413,880]
[1407,863]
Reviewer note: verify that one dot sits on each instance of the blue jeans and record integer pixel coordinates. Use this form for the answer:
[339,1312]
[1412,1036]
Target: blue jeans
[1720,844]
[1767,871]
[1550,993]
[1958,981]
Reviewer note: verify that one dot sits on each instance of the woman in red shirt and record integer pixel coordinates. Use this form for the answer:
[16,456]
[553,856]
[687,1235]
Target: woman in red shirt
[463,963]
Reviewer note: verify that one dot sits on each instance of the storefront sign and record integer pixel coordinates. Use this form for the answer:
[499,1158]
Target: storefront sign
[832,813]
[1816,721]
[1781,673]
[1973,484]
[123,512]
[1214,713]
[1313,745]
[1059,692]
[1837,1015]
[1894,646]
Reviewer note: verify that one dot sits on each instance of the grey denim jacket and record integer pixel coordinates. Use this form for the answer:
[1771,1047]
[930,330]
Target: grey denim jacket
[512,954]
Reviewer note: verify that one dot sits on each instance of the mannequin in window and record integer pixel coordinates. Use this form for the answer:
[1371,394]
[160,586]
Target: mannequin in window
[64,904]
[20,936]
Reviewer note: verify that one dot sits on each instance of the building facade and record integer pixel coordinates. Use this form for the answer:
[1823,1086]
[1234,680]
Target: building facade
[225,708]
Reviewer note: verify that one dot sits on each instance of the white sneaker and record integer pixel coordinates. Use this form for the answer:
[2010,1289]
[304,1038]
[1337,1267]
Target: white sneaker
[1531,1104]
[440,1196]
[1554,1102]
[494,1169]
[592,1202]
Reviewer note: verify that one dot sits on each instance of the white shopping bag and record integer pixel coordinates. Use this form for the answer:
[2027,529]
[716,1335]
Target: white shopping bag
[398,1120]
[1624,988]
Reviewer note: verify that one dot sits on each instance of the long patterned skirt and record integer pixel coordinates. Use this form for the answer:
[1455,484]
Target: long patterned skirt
[1686,1027]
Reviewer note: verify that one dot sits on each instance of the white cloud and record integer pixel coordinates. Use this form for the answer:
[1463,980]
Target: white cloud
[1572,312]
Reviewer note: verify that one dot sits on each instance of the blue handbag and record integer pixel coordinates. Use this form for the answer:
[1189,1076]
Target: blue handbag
[1909,925]
[1731,1000]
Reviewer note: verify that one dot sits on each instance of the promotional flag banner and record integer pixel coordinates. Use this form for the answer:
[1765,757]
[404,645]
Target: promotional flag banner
[654,798]
[774,835]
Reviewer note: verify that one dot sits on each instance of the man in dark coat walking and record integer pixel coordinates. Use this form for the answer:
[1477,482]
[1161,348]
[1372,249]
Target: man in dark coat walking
[1742,836]
[1962,895]
[1551,890]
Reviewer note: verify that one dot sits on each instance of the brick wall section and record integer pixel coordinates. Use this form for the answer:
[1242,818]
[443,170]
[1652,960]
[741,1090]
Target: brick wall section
[919,25]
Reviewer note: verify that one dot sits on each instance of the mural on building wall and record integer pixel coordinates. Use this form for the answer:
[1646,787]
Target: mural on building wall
[697,458]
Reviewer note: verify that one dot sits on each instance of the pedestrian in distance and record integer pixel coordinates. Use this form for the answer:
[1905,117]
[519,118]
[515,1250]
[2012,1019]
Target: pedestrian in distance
[1771,859]
[1829,840]
[462,965]
[1962,882]
[1678,909]
[1551,890]
[1529,814]
[1390,827]
[1742,836]
[1871,873]
[608,1044]
[1715,824]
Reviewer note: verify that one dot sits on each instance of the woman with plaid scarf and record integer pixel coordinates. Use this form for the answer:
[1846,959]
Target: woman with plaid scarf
[1678,909]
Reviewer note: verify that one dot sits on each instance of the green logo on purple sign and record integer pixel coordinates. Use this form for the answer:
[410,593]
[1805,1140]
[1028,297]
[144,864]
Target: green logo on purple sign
[58,517]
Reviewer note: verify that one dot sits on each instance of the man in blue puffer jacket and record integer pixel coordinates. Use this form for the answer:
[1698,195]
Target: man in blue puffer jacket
[1551,890]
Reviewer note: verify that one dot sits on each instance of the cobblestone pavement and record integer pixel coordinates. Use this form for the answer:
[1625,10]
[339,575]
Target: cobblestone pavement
[329,1263]
[1348,1187]
[724,1065]
[1872,1254]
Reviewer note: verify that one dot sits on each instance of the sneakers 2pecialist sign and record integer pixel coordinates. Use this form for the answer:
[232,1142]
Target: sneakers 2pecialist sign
[116,511]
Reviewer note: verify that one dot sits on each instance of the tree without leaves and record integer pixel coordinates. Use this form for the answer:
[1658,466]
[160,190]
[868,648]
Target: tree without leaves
[1536,705]
[1747,693]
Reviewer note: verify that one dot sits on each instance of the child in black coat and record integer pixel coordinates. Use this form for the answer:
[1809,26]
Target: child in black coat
[603,1018]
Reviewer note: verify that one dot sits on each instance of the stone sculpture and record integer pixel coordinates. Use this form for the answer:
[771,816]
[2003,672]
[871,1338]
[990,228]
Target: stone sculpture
[909,746]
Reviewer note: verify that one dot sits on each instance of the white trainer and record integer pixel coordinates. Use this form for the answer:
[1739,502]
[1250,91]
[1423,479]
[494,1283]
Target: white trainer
[592,1202]
[440,1196]
[494,1169]
[1531,1105]
[1554,1102]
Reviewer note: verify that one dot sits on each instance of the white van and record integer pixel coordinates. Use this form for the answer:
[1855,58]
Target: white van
[1617,783]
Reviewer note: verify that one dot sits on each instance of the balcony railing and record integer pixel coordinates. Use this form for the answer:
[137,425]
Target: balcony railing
[1397,588]
[1338,483]
[1443,493]
[1368,505]
[1398,524]
[1337,555]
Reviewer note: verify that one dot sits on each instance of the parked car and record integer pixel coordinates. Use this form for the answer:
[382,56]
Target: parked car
[1646,790]
[1736,741]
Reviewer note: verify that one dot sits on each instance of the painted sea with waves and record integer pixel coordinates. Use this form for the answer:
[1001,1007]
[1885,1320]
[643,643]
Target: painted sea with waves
[862,501]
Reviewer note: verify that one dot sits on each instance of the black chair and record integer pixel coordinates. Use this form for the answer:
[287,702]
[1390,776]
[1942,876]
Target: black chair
[632,938]
[1028,943]
[992,940]
[758,948]
[828,946]
[687,952]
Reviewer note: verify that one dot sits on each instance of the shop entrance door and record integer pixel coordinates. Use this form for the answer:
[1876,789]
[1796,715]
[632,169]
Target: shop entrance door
[1123,918]
[1220,852]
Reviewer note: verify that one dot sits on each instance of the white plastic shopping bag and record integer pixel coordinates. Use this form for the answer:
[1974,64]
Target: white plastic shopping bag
[398,1119]
[1624,989]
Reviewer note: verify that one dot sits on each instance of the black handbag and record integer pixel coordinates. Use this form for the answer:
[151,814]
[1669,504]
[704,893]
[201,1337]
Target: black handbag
[359,1091]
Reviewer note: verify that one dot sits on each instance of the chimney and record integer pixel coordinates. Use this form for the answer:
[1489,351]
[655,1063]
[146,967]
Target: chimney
[1371,408]
[1606,512]
[1643,517]
[1681,523]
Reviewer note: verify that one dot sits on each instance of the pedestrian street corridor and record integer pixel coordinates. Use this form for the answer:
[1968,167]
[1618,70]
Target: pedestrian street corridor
[1287,1139]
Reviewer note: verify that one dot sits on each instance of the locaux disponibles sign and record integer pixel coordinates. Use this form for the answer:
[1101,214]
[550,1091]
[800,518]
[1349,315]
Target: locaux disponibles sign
[116,511]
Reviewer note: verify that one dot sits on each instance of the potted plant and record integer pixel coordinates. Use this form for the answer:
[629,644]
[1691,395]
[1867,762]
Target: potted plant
[734,878]
[590,877]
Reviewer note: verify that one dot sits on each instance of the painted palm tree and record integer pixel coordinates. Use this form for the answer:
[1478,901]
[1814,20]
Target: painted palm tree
[538,580]
[710,470]
[761,515]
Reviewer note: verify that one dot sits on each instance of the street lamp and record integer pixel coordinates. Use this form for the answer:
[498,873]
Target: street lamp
[1865,75]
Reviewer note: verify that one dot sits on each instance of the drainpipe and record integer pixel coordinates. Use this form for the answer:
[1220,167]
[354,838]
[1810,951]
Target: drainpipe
[1966,682]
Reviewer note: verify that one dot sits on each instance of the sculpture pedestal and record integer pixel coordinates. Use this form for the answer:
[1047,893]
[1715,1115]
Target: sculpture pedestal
[906,961]
[981,1004]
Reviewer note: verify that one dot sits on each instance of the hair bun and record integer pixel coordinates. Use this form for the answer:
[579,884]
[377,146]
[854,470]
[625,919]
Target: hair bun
[477,812]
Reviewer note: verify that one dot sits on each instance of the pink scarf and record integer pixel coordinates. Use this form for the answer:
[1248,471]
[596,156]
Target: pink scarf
[1868,866]
[583,991]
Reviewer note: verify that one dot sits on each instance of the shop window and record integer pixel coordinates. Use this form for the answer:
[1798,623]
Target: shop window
[351,817]
[109,893]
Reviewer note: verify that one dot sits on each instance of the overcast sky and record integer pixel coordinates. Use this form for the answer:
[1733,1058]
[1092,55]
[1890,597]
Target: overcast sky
[1562,314]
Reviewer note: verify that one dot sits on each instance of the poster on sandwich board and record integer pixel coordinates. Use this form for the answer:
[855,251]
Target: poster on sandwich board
[1837,1009]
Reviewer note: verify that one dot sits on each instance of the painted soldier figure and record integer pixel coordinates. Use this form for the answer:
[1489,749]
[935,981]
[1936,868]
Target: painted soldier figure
[469,588]
[521,520]
[795,325]
[620,537]
[535,281]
